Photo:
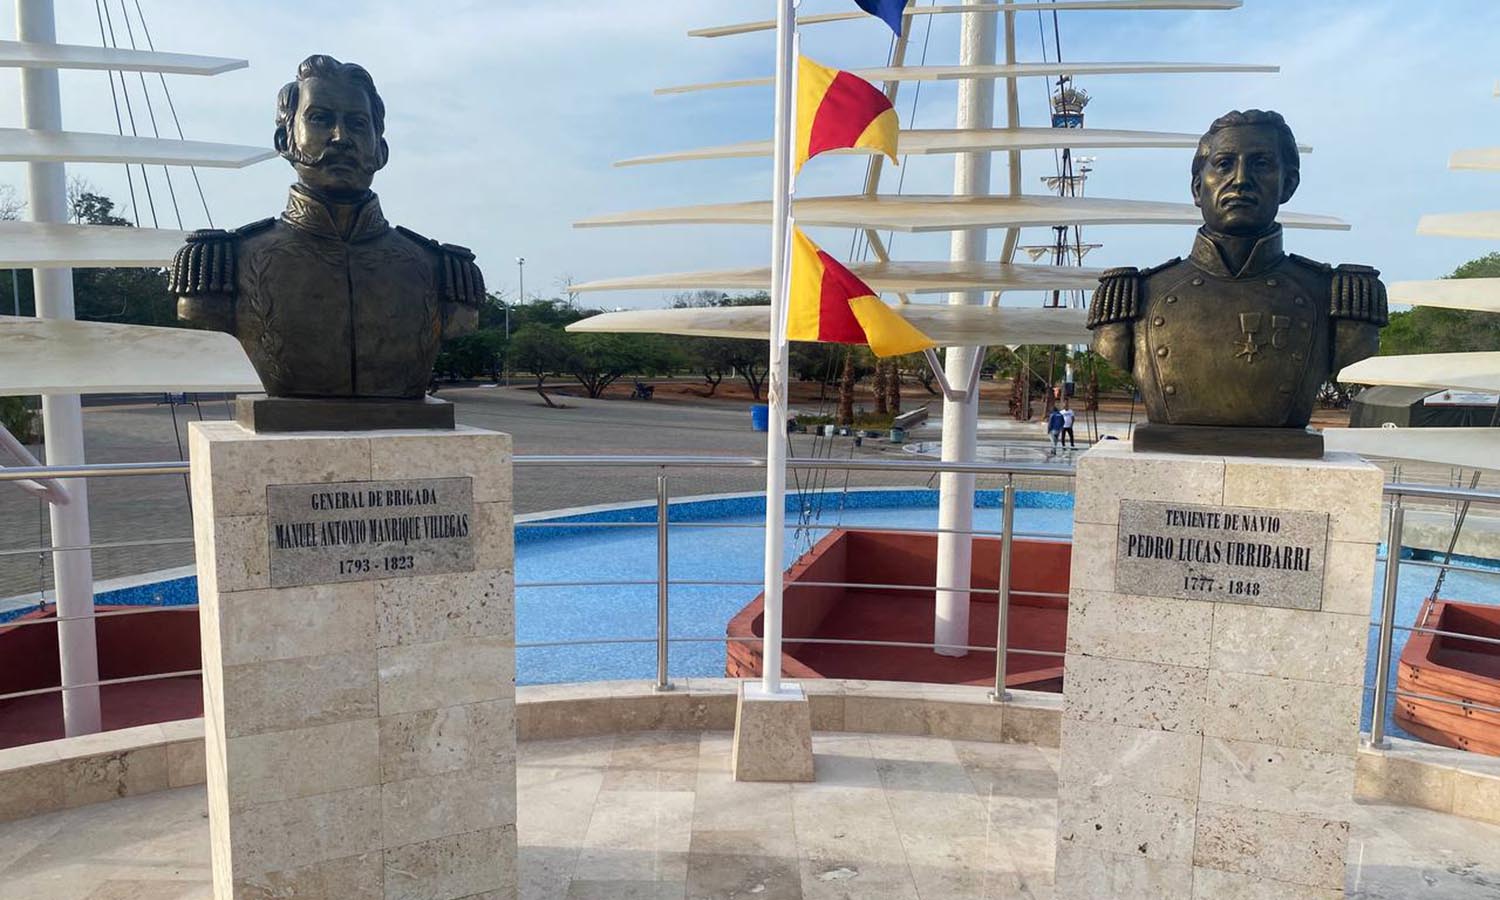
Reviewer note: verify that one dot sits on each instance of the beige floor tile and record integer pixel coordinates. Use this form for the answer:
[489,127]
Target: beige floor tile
[626,890]
[653,761]
[637,836]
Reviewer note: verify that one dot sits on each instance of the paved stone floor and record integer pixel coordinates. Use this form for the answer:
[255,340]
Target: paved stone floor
[656,816]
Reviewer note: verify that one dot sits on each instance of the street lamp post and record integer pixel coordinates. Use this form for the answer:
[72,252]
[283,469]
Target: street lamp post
[520,295]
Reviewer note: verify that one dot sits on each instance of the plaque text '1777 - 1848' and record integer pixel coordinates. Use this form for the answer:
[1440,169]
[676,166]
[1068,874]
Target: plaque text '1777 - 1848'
[1262,557]
[366,530]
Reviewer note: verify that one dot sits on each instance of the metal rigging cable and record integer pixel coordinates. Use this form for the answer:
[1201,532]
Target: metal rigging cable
[119,124]
[151,112]
[130,114]
[172,107]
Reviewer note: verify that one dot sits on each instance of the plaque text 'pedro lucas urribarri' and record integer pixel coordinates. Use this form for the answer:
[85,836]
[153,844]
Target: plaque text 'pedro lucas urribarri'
[365,530]
[1263,557]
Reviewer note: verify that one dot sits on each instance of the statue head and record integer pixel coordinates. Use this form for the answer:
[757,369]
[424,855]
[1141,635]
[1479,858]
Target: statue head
[330,124]
[1246,166]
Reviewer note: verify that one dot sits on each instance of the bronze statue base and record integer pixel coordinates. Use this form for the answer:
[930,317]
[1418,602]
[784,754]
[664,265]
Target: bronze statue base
[260,413]
[1213,440]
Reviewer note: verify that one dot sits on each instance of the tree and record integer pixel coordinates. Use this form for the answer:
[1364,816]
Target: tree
[713,358]
[751,361]
[466,356]
[1429,329]
[882,399]
[599,360]
[540,351]
[893,386]
[846,389]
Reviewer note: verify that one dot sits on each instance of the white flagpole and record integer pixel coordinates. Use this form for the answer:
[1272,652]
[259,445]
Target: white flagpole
[776,381]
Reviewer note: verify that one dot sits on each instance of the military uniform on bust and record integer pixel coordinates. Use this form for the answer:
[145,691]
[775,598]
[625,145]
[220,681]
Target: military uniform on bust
[1267,336]
[325,310]
[1230,347]
[341,314]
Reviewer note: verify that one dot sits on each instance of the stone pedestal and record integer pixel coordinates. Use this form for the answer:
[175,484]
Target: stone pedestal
[1217,622]
[772,735]
[356,597]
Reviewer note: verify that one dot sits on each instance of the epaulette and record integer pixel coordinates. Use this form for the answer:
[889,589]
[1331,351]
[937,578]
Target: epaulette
[460,278]
[1358,294]
[206,263]
[1313,264]
[1117,298]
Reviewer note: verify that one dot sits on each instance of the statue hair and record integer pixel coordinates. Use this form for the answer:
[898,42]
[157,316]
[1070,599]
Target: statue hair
[321,66]
[1286,143]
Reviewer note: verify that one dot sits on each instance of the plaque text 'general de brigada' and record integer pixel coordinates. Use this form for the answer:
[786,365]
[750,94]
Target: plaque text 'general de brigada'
[366,530]
[1262,557]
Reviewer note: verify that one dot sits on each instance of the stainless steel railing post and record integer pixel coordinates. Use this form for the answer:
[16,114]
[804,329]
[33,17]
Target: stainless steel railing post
[662,512]
[1387,626]
[1002,599]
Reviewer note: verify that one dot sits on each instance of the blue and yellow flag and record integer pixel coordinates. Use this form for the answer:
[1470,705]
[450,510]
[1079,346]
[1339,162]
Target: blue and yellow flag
[889,11]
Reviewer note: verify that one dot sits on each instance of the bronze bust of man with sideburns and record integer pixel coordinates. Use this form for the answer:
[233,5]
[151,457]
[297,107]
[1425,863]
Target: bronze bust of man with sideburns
[341,314]
[1230,346]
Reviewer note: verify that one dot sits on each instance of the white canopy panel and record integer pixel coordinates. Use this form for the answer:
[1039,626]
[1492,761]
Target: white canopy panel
[1463,371]
[33,245]
[770,25]
[953,140]
[919,213]
[26,55]
[949,326]
[1015,70]
[53,356]
[1484,159]
[1469,448]
[1483,225]
[1481,294]
[885,277]
[24,144]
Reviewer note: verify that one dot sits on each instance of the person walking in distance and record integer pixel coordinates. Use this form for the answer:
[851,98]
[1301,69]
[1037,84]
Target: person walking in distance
[1067,427]
[1055,427]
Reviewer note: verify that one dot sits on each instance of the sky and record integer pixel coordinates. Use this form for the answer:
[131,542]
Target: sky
[505,119]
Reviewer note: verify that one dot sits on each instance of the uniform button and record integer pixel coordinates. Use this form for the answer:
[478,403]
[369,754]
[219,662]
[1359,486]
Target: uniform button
[1297,357]
[1162,351]
[1158,321]
[1170,389]
[1285,389]
[1298,300]
[1271,282]
[1172,299]
[1197,282]
[1304,325]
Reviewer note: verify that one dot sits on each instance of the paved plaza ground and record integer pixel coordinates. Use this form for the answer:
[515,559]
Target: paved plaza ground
[656,816]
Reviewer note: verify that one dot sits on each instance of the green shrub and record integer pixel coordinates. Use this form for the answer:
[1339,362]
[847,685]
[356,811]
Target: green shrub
[20,418]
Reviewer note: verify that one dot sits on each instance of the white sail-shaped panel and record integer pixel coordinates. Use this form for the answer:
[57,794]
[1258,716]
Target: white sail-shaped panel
[884,277]
[1462,371]
[1481,294]
[67,357]
[25,144]
[1468,448]
[1481,225]
[27,55]
[919,142]
[1059,5]
[1016,70]
[1484,159]
[30,245]
[949,326]
[922,213]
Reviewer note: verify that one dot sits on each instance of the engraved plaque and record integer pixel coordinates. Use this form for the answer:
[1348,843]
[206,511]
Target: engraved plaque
[368,530]
[1230,554]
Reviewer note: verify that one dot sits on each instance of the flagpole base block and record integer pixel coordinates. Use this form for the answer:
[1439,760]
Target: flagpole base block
[772,735]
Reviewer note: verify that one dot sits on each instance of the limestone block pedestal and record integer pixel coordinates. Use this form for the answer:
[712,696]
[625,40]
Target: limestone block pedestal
[772,734]
[1217,622]
[356,596]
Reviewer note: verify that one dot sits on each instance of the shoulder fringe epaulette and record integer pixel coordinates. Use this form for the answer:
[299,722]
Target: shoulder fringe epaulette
[206,263]
[1358,294]
[460,281]
[1116,297]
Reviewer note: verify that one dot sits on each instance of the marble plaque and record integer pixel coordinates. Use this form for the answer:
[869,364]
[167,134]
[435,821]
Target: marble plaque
[368,530]
[1230,554]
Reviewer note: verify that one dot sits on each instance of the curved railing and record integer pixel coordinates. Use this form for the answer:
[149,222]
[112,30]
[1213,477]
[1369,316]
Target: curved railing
[1385,626]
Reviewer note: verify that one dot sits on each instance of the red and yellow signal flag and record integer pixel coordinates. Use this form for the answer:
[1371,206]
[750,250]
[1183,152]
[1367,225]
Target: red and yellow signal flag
[826,302]
[837,109]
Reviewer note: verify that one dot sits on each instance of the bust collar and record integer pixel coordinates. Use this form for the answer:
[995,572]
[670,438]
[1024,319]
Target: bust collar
[1266,255]
[352,222]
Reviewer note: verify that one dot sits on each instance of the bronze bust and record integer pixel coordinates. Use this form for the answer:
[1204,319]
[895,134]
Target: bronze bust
[341,314]
[1230,346]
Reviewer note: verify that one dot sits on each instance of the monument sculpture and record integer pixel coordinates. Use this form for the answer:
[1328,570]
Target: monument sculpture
[1230,346]
[341,314]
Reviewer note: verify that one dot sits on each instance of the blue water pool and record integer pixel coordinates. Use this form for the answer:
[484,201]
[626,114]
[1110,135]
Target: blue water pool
[722,540]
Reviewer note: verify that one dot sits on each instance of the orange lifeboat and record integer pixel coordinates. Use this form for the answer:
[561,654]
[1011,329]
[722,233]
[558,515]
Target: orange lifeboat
[1463,672]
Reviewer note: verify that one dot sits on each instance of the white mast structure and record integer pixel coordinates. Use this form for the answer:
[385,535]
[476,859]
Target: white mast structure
[51,247]
[968,213]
